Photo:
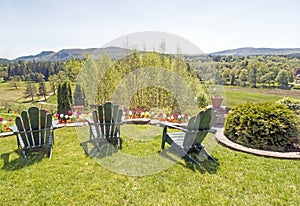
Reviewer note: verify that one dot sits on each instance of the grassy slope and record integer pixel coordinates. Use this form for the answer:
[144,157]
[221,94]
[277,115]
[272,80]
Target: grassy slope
[71,178]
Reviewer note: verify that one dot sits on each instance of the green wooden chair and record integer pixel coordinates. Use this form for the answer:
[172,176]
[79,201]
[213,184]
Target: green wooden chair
[105,125]
[34,131]
[190,139]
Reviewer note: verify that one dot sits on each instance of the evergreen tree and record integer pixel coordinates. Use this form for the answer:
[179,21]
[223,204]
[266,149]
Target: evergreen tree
[78,96]
[59,101]
[64,98]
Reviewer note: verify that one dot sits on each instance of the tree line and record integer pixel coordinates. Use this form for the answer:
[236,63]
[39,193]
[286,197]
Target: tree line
[251,71]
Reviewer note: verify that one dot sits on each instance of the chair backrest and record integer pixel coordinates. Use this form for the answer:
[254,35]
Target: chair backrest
[33,127]
[108,118]
[198,127]
[202,121]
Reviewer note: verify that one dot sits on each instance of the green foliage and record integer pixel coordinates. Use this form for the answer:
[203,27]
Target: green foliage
[148,80]
[291,103]
[266,126]
[79,98]
[42,89]
[64,98]
[31,90]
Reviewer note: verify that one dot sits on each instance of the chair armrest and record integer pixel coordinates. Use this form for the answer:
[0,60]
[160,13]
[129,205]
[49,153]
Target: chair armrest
[165,124]
[54,123]
[14,128]
[212,131]
[89,120]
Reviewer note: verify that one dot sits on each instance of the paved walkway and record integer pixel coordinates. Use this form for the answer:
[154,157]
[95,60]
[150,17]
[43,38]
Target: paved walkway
[227,143]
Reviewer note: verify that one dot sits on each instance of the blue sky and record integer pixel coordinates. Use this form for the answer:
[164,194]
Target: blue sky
[31,26]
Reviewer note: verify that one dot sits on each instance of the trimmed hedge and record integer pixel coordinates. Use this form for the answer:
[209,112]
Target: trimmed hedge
[266,126]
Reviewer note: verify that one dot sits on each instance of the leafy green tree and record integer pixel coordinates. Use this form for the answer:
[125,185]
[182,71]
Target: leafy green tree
[243,77]
[15,81]
[88,79]
[253,75]
[267,78]
[31,90]
[42,89]
[283,78]
[72,68]
[53,80]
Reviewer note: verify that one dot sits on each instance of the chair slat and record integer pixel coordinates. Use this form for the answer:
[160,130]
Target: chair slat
[42,127]
[48,129]
[205,123]
[26,124]
[191,123]
[107,118]
[114,119]
[34,122]
[100,116]
[95,118]
[23,136]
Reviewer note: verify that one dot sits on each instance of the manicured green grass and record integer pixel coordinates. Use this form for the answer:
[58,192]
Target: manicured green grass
[239,95]
[71,178]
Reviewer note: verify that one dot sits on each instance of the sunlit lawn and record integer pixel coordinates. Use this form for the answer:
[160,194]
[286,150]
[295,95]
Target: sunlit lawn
[72,178]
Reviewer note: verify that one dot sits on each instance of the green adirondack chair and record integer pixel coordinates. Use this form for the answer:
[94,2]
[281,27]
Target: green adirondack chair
[190,139]
[105,125]
[34,131]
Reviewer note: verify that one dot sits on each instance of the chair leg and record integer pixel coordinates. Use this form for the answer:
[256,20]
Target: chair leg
[203,152]
[24,156]
[119,143]
[164,138]
[50,153]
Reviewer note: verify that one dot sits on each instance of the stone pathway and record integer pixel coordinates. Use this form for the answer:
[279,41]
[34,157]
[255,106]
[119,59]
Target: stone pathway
[227,143]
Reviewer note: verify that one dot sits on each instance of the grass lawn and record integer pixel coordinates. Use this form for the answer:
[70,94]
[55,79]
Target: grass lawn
[71,178]
[240,95]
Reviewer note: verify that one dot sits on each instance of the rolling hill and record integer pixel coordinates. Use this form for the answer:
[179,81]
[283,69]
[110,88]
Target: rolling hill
[66,54]
[118,52]
[251,51]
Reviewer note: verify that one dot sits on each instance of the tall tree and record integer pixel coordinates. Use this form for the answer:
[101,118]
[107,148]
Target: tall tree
[31,90]
[42,89]
[283,78]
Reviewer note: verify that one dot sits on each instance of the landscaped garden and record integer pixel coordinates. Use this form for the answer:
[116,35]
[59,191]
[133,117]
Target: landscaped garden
[72,178]
[77,176]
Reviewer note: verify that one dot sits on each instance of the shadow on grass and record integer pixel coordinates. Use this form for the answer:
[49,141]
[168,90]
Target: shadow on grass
[204,166]
[10,163]
[94,150]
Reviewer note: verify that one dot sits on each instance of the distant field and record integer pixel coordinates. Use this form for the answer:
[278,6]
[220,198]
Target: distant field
[239,95]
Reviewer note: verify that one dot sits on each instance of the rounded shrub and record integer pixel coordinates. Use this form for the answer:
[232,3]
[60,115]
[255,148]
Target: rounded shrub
[266,126]
[291,103]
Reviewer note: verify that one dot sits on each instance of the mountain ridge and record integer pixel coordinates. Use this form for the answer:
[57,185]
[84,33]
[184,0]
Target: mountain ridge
[118,52]
[252,51]
[67,54]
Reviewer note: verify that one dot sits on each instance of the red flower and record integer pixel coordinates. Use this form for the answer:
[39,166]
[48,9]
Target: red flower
[7,129]
[9,120]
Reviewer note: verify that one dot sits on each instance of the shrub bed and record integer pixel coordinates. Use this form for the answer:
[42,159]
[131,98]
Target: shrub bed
[266,126]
